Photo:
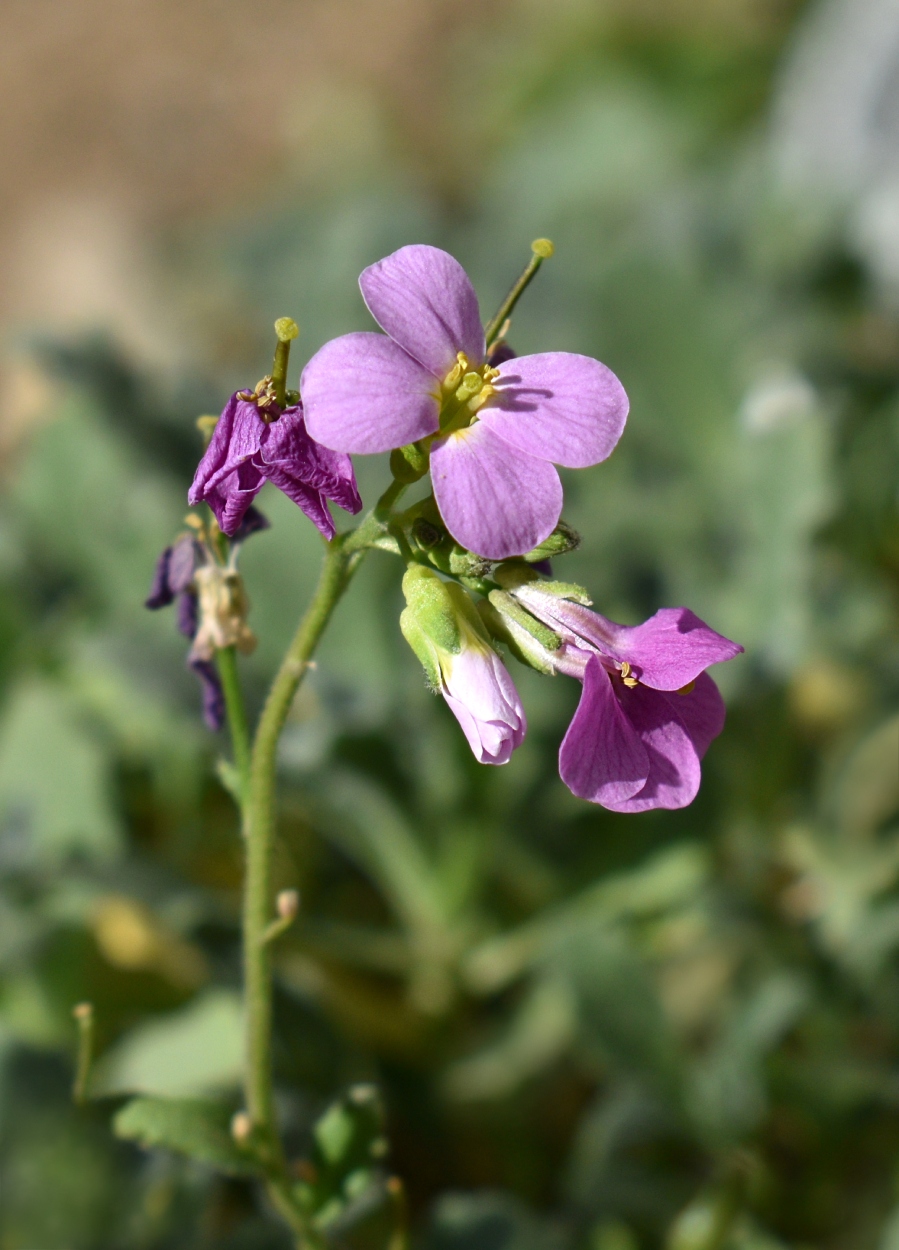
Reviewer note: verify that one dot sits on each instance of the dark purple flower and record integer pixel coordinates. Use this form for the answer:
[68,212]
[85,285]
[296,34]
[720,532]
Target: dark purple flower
[246,451]
[495,433]
[648,710]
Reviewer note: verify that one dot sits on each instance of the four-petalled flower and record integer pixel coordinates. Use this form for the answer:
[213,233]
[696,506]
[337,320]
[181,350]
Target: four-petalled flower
[494,433]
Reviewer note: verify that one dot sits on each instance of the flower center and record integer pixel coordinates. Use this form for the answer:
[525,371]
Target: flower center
[265,399]
[463,393]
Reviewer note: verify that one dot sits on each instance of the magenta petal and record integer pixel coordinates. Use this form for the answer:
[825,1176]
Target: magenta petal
[309,500]
[235,439]
[702,712]
[233,494]
[362,393]
[496,504]
[288,449]
[666,652]
[559,406]
[422,298]
[674,772]
[601,758]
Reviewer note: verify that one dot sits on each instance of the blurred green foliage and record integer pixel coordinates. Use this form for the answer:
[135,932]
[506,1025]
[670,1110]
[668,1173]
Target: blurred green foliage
[590,1031]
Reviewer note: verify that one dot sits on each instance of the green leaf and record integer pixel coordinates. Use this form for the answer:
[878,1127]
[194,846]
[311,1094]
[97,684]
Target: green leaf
[191,1126]
[192,1051]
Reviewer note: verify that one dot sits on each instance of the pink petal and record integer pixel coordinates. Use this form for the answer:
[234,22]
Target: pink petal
[559,406]
[422,298]
[702,712]
[496,504]
[288,447]
[674,772]
[666,652]
[363,394]
[601,758]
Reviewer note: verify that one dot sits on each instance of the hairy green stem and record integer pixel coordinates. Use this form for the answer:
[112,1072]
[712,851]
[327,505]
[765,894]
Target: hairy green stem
[226,661]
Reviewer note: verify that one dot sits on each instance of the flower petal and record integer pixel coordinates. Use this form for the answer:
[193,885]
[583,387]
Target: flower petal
[495,504]
[233,494]
[483,698]
[235,439]
[288,447]
[601,758]
[674,772]
[702,711]
[666,652]
[422,297]
[364,394]
[311,501]
[559,406]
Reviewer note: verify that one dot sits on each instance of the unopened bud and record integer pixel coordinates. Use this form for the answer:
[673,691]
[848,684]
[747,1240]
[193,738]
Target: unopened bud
[288,904]
[562,540]
[241,1127]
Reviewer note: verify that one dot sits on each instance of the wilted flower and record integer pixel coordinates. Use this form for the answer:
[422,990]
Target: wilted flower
[212,604]
[443,629]
[648,710]
[494,432]
[256,441]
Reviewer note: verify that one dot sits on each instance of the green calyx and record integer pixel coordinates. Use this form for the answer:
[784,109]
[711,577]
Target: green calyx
[562,540]
[510,608]
[409,463]
[521,642]
[512,575]
[439,620]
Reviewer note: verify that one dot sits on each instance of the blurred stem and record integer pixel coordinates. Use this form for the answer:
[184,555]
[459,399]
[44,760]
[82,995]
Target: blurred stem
[226,659]
[343,555]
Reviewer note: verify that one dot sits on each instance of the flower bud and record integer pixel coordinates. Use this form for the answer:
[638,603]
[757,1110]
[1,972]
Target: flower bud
[443,628]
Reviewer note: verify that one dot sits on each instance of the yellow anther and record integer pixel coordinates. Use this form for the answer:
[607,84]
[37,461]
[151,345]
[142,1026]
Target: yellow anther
[479,400]
[543,248]
[490,373]
[451,381]
[626,677]
[194,522]
[688,688]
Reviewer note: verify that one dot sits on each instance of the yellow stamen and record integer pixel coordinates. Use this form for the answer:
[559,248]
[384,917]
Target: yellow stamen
[451,381]
[626,677]
[479,400]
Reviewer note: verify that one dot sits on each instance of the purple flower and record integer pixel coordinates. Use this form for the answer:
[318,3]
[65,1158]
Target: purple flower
[494,433]
[247,449]
[648,710]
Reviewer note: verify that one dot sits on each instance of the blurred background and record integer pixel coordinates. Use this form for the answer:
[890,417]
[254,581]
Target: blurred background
[591,1031]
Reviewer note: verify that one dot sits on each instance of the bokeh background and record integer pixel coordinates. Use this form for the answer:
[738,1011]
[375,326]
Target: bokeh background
[592,1031]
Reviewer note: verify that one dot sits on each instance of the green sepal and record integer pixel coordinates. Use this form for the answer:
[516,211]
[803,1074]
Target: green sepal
[562,540]
[409,463]
[195,1127]
[507,606]
[523,645]
[512,574]
[348,1144]
[431,604]
[427,656]
[567,590]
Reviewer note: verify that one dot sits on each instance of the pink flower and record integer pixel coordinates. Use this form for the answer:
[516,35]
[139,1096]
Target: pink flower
[648,710]
[494,433]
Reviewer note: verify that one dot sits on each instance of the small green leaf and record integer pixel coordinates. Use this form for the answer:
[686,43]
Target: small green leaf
[192,1126]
